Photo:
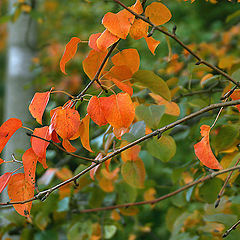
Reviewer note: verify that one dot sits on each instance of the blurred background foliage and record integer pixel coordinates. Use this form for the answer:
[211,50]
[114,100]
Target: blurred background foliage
[210,29]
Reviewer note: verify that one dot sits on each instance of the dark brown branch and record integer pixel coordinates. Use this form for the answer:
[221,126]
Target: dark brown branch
[203,179]
[44,194]
[80,95]
[62,149]
[173,36]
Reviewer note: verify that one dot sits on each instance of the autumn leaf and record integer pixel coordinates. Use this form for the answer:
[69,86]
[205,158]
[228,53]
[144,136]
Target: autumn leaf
[93,171]
[130,154]
[118,110]
[203,150]
[39,146]
[133,173]
[7,129]
[152,44]
[95,112]
[158,13]
[70,51]
[29,160]
[92,62]
[19,189]
[65,122]
[118,24]
[68,146]
[235,96]
[1,161]
[121,76]
[127,57]
[92,42]
[106,40]
[38,105]
[4,180]
[84,133]
[139,29]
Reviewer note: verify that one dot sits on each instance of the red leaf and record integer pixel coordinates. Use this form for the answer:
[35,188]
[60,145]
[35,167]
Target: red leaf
[118,110]
[1,161]
[95,112]
[235,96]
[84,133]
[39,146]
[38,105]
[92,42]
[70,51]
[4,180]
[55,137]
[65,122]
[7,129]
[203,150]
[20,190]
[29,159]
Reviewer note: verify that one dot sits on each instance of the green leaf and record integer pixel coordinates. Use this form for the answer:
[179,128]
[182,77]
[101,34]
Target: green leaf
[109,231]
[125,193]
[226,137]
[136,131]
[210,189]
[226,219]
[151,115]
[133,173]
[153,82]
[163,148]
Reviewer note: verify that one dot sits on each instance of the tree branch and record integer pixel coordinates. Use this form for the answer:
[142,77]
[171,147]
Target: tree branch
[44,194]
[173,36]
[193,183]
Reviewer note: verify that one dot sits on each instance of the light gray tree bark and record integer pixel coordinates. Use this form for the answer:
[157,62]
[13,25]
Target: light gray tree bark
[19,82]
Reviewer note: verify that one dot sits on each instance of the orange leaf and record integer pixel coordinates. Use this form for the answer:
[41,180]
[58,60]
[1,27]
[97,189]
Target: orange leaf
[152,44]
[158,13]
[118,24]
[106,40]
[55,137]
[68,146]
[92,42]
[92,62]
[29,160]
[121,76]
[139,29]
[128,57]
[1,161]
[70,51]
[171,107]
[20,190]
[95,112]
[66,122]
[39,146]
[84,133]
[4,180]
[7,129]
[118,132]
[64,174]
[131,154]
[203,150]
[235,96]
[137,7]
[118,110]
[38,105]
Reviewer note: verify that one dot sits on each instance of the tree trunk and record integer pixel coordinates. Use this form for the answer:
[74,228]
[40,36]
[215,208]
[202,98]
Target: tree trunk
[19,82]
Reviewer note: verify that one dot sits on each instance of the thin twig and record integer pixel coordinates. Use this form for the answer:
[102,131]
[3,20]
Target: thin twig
[233,227]
[193,183]
[173,36]
[61,148]
[224,185]
[80,95]
[44,194]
